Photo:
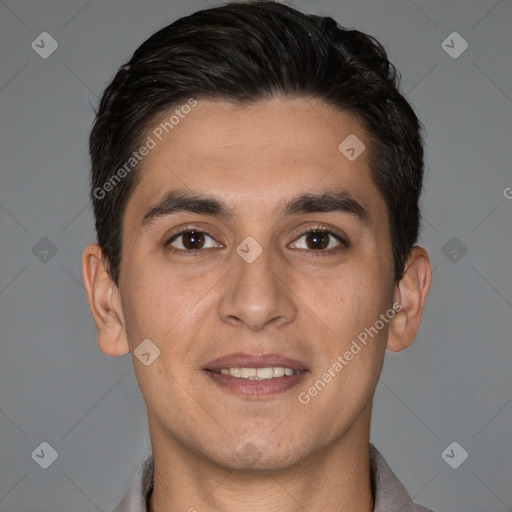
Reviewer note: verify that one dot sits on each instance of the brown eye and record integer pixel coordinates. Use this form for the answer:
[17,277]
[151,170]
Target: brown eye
[317,240]
[192,241]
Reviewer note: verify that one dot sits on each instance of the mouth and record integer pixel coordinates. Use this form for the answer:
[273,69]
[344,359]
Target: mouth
[256,376]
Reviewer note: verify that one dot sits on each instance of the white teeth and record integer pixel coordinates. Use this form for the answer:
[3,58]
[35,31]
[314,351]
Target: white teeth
[278,371]
[245,373]
[269,372]
[265,373]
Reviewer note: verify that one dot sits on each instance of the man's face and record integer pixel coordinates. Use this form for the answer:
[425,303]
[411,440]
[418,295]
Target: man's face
[305,297]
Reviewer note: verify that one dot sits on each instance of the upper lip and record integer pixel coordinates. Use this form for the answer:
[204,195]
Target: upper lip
[245,360]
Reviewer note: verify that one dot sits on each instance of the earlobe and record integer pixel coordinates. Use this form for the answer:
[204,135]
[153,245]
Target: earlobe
[103,297]
[411,293]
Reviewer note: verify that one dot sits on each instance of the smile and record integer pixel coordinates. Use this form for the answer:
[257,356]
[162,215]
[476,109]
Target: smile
[270,372]
[256,383]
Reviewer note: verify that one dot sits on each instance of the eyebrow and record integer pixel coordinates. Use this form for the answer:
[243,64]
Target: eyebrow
[180,201]
[339,201]
[177,201]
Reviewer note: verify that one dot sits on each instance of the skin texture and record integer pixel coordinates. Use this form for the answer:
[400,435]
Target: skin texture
[300,302]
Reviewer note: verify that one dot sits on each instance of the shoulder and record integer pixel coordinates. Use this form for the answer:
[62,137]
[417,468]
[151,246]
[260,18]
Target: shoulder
[389,493]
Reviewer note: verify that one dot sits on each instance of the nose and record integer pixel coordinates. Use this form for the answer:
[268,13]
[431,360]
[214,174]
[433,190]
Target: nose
[256,295]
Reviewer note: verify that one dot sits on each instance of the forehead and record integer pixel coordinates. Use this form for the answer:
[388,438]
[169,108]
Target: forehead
[258,155]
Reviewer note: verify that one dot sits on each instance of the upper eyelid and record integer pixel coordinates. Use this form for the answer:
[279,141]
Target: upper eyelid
[340,238]
[188,230]
[322,230]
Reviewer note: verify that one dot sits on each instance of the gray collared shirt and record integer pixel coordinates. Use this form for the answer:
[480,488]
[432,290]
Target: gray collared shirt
[389,494]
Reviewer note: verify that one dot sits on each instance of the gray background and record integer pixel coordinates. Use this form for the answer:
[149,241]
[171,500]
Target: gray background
[453,384]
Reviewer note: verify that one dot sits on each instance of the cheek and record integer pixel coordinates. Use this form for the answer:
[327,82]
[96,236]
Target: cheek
[351,299]
[159,301]
[351,346]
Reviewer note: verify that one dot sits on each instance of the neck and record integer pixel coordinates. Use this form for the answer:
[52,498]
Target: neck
[337,477]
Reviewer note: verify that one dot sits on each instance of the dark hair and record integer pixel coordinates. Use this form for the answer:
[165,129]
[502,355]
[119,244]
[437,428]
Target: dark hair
[248,51]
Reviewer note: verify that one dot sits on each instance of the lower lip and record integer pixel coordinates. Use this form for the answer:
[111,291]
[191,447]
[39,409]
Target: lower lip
[256,388]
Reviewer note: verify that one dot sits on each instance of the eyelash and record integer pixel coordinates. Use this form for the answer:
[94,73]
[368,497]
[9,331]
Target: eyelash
[317,229]
[324,252]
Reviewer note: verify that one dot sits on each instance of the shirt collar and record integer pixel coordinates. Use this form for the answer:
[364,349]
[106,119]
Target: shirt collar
[388,492]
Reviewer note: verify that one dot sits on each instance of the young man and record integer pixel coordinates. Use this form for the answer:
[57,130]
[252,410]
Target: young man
[255,182]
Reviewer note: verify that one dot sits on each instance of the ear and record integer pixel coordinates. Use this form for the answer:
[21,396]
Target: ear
[411,293]
[104,301]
